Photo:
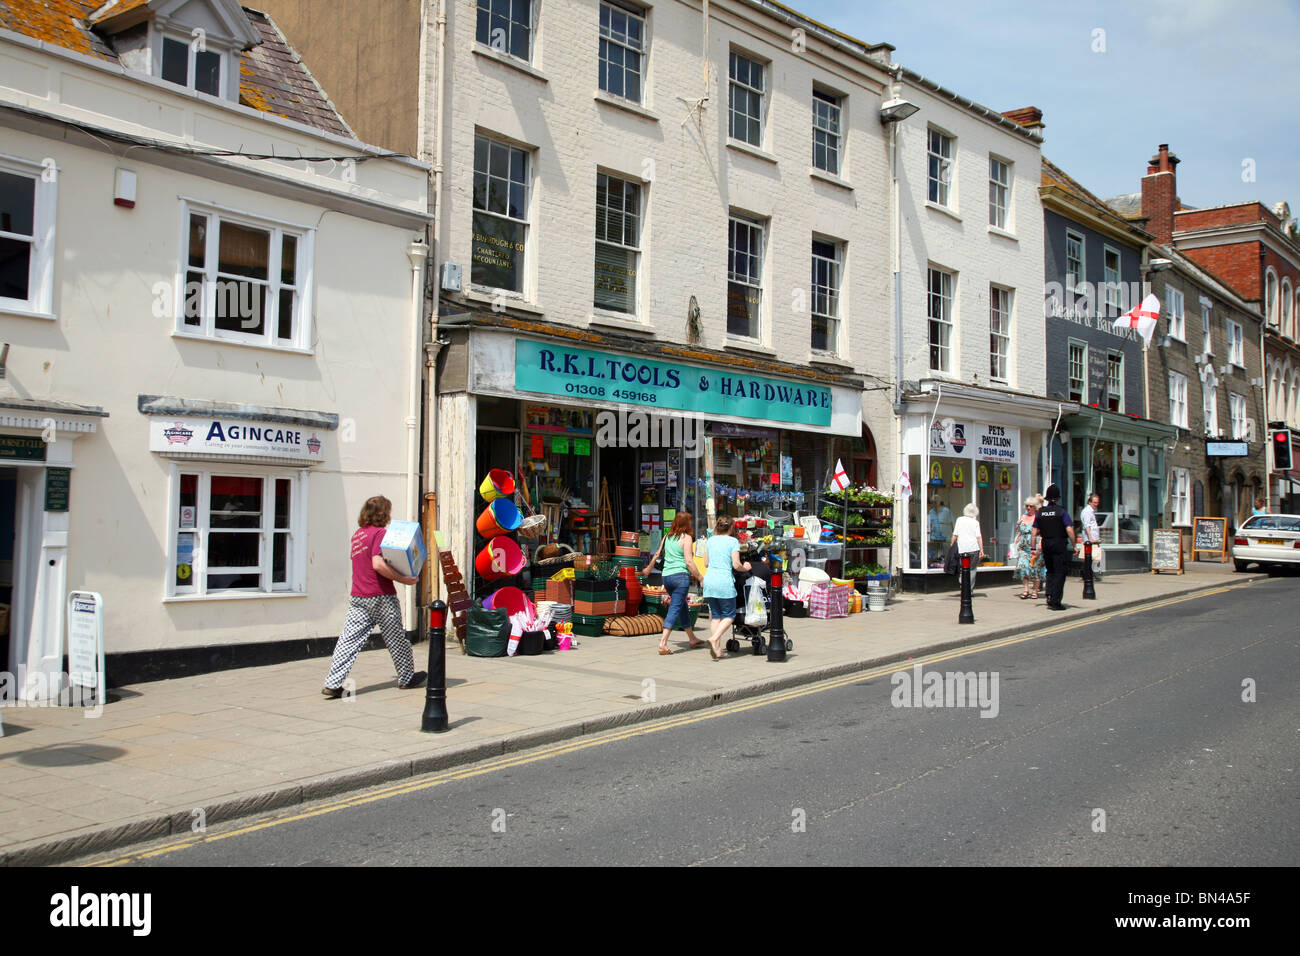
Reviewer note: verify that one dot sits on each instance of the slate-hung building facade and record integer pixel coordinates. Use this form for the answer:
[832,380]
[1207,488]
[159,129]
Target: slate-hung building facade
[1206,371]
[209,349]
[1094,268]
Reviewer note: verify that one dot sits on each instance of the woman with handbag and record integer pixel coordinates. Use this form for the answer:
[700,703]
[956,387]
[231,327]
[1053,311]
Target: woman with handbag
[1029,566]
[678,549]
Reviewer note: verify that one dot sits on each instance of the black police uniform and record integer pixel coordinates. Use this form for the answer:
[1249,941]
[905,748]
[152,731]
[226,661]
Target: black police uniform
[1052,521]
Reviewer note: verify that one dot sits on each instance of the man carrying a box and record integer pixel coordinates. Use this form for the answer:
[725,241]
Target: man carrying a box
[374,600]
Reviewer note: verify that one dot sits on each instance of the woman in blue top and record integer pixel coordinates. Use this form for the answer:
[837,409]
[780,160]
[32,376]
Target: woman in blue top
[720,584]
[678,547]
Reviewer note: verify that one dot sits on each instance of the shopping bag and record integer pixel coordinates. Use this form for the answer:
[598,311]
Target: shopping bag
[952,564]
[755,610]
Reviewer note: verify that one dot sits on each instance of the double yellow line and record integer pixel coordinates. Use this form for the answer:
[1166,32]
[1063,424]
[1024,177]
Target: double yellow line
[638,730]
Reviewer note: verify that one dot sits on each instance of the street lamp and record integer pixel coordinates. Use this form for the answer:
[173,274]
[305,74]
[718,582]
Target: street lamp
[896,110]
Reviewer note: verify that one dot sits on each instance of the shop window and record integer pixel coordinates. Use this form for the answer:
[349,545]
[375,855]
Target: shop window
[618,243]
[236,533]
[500,238]
[27,194]
[246,280]
[1128,516]
[744,277]
[559,447]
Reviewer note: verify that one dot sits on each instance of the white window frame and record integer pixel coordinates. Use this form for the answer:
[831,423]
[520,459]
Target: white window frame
[1236,344]
[1178,399]
[1180,503]
[40,270]
[1115,380]
[1080,277]
[528,184]
[831,127]
[760,91]
[940,319]
[296,558]
[530,26]
[1000,301]
[999,193]
[1238,414]
[1285,320]
[1113,279]
[1207,320]
[635,249]
[608,36]
[1270,297]
[833,293]
[193,49]
[1210,403]
[941,167]
[304,277]
[752,279]
[1082,377]
[1176,306]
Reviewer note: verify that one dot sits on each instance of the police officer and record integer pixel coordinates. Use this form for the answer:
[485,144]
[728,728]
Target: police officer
[1054,536]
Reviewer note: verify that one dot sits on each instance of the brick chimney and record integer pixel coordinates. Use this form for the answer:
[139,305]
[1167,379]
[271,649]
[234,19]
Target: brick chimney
[1160,195]
[1029,117]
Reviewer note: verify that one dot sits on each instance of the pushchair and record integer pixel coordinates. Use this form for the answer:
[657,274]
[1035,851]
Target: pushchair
[757,635]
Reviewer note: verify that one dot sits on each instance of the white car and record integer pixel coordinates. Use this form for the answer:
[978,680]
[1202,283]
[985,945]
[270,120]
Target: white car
[1267,539]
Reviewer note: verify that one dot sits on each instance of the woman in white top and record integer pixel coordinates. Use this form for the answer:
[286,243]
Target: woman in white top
[969,539]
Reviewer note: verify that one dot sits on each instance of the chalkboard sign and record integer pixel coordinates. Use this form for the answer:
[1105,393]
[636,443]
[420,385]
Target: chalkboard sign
[1209,535]
[1166,550]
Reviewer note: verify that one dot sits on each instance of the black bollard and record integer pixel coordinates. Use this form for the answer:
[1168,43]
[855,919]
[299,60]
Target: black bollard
[967,616]
[776,636]
[435,694]
[1088,592]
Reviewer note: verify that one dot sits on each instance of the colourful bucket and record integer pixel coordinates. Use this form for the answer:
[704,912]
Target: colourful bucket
[508,599]
[499,517]
[500,552]
[499,483]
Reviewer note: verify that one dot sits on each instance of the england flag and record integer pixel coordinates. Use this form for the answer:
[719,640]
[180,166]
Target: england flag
[840,480]
[1143,318]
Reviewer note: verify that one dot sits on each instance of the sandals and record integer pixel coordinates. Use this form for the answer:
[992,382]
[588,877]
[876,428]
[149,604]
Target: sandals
[1024,596]
[665,651]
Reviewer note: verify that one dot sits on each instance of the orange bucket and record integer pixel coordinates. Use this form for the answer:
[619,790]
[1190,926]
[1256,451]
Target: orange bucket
[500,558]
[499,517]
[499,483]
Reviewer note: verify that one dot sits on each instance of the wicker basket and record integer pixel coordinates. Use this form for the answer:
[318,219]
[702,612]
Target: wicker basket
[555,555]
[533,526]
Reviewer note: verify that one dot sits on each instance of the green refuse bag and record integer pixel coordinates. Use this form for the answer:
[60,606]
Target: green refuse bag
[487,632]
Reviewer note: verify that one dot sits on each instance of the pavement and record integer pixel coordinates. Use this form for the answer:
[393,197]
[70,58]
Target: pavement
[171,755]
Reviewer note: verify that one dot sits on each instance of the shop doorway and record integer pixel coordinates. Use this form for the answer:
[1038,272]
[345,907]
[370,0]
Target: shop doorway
[8,514]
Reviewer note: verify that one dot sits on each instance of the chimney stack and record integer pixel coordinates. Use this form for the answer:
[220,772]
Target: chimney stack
[1028,117]
[1160,195]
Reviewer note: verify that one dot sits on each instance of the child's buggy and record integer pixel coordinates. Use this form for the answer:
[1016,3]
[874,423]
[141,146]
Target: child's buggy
[756,634]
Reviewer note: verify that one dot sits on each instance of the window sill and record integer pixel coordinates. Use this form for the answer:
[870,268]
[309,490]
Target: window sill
[618,320]
[211,340]
[742,147]
[827,358]
[930,204]
[609,99]
[826,177]
[8,311]
[505,59]
[747,345]
[254,596]
[509,299]
[995,231]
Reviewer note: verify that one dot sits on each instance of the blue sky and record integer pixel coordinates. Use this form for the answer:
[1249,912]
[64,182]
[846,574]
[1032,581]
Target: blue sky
[1216,80]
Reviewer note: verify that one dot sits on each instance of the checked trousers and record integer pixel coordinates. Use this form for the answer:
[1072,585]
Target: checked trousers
[363,614]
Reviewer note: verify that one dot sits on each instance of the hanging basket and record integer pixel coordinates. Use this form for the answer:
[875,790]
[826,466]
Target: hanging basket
[533,526]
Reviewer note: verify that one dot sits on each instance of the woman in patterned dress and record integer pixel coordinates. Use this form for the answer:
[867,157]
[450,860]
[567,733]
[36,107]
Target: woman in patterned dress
[1029,566]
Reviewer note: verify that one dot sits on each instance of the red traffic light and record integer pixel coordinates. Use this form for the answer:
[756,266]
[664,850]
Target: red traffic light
[1282,458]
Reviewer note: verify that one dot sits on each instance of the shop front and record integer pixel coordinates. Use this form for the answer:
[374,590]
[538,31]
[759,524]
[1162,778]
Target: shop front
[1121,459]
[644,433]
[964,445]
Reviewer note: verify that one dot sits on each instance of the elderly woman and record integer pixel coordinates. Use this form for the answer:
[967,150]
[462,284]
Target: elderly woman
[1029,565]
[969,539]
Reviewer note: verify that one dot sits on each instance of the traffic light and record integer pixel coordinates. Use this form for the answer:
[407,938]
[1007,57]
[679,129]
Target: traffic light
[1282,449]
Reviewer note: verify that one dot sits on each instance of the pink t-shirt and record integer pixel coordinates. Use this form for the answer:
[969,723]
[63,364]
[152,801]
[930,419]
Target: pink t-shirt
[366,581]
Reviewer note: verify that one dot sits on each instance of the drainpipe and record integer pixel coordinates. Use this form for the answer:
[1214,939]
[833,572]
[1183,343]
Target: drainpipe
[1060,410]
[417,251]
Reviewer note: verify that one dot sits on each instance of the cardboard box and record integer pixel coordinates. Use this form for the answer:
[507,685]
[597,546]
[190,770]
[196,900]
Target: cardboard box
[403,547]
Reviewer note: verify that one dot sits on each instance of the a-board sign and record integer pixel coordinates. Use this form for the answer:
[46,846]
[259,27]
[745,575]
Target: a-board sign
[1209,535]
[1167,550]
[86,645]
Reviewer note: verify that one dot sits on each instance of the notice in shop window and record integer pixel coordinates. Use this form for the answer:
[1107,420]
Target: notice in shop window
[537,451]
[582,446]
[560,445]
